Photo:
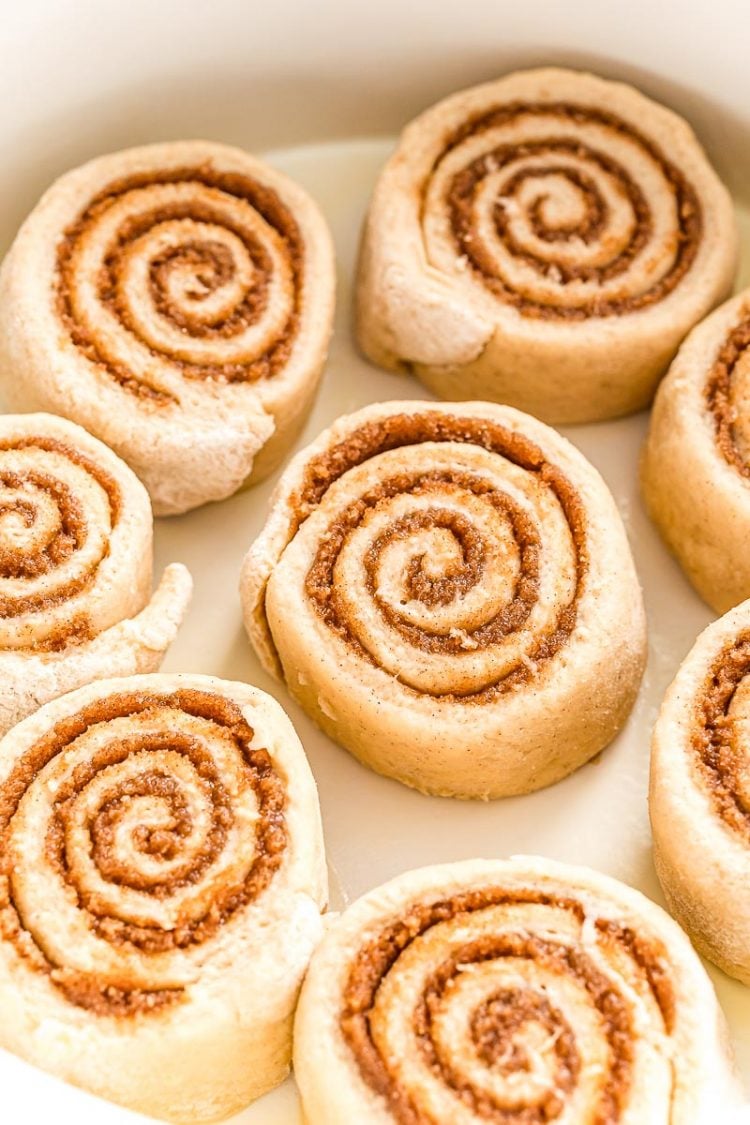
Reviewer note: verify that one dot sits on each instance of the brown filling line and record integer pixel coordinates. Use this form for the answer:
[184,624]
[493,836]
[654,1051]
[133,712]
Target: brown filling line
[719,394]
[123,998]
[713,740]
[72,535]
[215,268]
[403,430]
[463,188]
[500,1015]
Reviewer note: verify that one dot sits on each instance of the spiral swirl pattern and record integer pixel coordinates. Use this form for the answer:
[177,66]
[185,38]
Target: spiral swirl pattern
[177,301]
[495,984]
[497,1001]
[546,240]
[448,563]
[162,879]
[76,562]
[446,559]
[140,824]
[186,273]
[561,210]
[58,511]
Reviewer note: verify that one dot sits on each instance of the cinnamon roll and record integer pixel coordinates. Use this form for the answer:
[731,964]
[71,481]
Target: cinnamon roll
[545,240]
[439,586]
[161,887]
[696,466]
[520,992]
[699,802]
[76,562]
[177,301]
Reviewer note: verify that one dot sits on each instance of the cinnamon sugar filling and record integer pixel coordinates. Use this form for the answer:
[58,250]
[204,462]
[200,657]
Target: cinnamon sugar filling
[403,430]
[719,394]
[86,990]
[463,188]
[495,1022]
[213,265]
[713,737]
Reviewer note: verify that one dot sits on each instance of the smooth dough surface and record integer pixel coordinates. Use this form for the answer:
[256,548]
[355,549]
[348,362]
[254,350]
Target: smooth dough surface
[700,764]
[177,301]
[438,585]
[695,474]
[545,240]
[162,879]
[510,991]
[76,566]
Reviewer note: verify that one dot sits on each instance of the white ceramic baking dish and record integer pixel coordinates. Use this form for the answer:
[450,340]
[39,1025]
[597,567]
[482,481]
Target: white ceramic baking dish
[310,85]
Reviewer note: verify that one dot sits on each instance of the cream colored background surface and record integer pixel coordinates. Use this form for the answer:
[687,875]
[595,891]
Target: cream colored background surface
[78,78]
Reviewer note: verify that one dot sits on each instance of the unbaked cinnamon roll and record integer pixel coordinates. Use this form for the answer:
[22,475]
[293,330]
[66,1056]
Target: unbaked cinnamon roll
[696,466]
[439,586]
[76,563]
[699,796]
[546,240]
[177,301]
[519,992]
[161,887]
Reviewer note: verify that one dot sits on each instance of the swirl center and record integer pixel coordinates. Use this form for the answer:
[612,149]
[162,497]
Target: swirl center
[560,210]
[190,274]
